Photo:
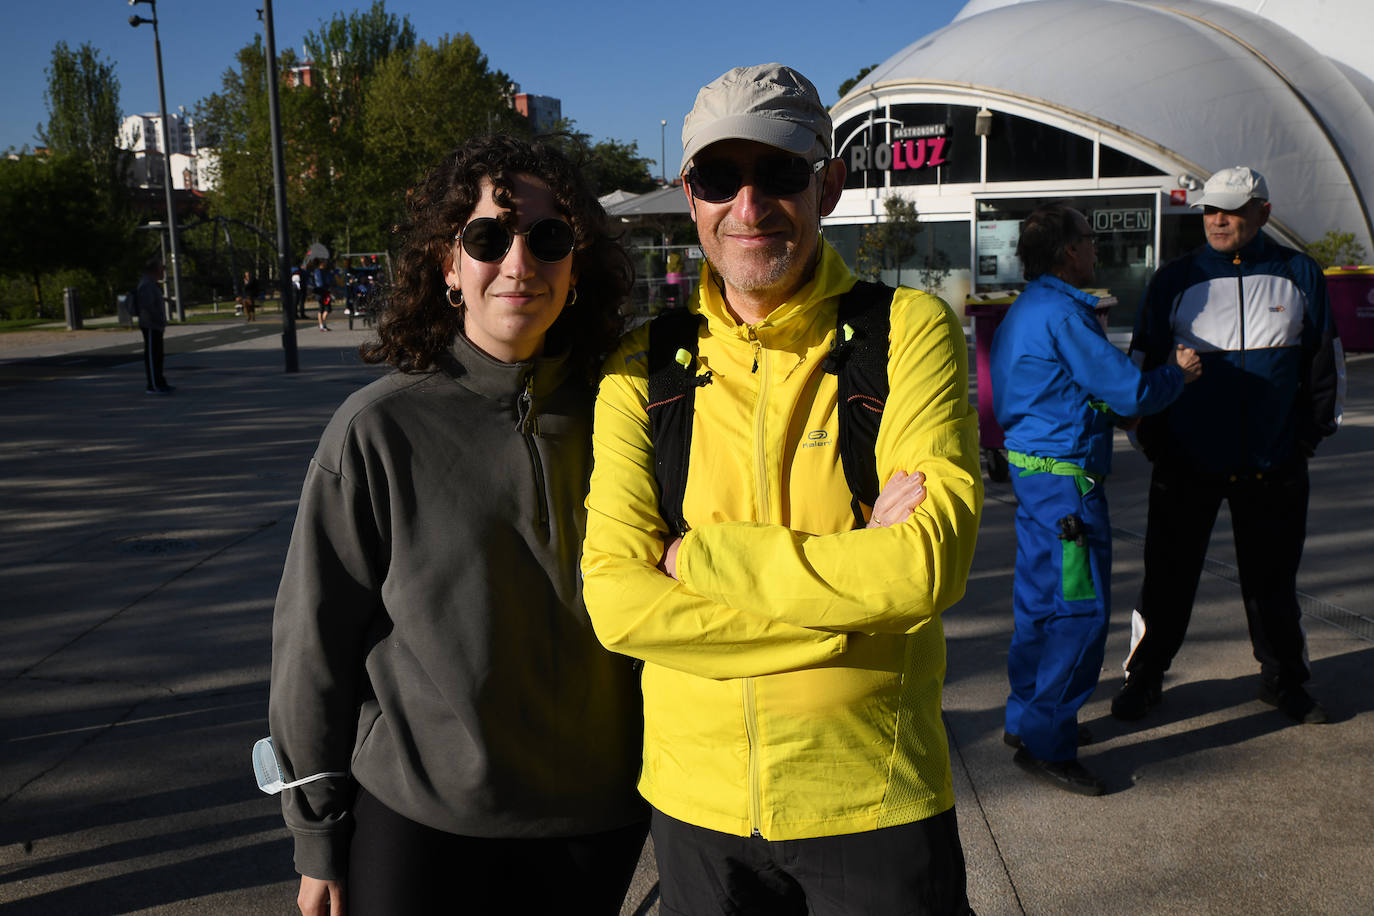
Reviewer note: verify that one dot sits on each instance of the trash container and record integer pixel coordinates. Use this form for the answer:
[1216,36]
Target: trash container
[1352,305]
[987,311]
[124,309]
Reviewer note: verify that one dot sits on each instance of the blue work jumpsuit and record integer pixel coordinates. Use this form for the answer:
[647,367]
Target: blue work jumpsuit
[1059,385]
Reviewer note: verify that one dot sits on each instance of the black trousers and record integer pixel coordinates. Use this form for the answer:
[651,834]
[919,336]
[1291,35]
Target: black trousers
[1269,523]
[397,866]
[911,870]
[152,357]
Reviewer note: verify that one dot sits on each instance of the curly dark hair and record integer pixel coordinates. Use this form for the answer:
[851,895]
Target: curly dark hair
[418,324]
[1045,235]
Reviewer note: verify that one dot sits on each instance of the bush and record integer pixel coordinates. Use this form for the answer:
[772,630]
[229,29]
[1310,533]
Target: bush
[95,297]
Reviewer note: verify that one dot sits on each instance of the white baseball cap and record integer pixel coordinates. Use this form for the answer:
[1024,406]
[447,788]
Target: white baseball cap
[1233,188]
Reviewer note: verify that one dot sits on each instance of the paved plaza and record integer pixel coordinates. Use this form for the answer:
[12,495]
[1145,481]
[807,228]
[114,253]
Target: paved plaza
[143,539]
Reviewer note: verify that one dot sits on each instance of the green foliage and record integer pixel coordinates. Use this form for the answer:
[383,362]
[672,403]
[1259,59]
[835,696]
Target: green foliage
[420,105]
[1337,249]
[237,124]
[83,110]
[53,221]
[854,80]
[608,165]
[885,245]
[383,108]
[346,53]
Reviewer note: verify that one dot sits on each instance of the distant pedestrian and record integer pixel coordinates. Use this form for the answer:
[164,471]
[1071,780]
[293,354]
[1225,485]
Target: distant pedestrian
[1275,376]
[252,290]
[298,291]
[321,279]
[152,322]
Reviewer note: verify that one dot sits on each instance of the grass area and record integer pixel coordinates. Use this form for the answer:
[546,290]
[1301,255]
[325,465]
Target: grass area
[21,324]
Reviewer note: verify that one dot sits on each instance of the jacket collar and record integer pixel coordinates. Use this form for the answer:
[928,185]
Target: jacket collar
[498,381]
[1073,292]
[1252,251]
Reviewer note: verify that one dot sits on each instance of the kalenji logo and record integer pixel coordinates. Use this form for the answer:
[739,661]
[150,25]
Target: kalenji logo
[1276,308]
[816,437]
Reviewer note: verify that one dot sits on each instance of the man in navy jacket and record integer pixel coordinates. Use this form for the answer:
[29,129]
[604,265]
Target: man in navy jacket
[1273,380]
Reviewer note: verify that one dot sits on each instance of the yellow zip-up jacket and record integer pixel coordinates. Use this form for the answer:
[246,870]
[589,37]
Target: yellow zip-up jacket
[793,675]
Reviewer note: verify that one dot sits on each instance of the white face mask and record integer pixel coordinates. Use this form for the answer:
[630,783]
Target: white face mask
[268,770]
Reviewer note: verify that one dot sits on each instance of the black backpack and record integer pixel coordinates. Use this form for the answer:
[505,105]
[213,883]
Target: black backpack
[858,359]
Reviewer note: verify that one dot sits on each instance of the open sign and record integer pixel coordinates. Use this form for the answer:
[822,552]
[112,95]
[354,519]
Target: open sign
[1131,219]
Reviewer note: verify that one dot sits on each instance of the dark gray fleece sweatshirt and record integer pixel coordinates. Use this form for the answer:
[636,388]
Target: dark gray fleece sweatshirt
[429,635]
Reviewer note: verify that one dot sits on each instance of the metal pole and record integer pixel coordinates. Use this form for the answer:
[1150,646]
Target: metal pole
[288,309]
[663,150]
[167,172]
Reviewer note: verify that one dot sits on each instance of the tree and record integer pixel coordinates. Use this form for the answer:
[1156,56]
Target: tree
[618,166]
[609,165]
[1337,249]
[83,110]
[854,80]
[238,127]
[52,217]
[885,245]
[345,53]
[82,97]
[420,104]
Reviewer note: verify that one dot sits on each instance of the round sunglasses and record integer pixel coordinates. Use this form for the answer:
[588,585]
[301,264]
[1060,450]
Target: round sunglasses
[549,239]
[719,180]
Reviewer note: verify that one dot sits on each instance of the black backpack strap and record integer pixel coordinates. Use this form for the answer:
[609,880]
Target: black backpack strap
[859,360]
[673,382]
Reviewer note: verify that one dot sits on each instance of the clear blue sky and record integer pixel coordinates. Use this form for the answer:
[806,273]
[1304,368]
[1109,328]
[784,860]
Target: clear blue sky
[619,68]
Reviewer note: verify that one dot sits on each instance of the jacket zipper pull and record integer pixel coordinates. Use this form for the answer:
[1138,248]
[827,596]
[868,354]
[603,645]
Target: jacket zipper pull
[526,402]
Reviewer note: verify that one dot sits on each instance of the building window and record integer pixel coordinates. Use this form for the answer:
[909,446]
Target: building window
[1124,225]
[1112,163]
[939,265]
[1020,149]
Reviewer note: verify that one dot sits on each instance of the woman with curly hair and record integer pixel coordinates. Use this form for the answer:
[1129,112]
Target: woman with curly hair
[434,674]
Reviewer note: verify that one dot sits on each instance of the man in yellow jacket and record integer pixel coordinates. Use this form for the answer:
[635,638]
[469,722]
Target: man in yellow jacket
[794,752]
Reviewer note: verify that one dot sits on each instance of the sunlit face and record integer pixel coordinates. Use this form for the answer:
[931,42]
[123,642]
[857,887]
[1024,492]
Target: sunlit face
[1228,231]
[510,304]
[763,247]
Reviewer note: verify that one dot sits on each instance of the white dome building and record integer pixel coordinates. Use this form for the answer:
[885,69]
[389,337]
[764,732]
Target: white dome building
[1122,108]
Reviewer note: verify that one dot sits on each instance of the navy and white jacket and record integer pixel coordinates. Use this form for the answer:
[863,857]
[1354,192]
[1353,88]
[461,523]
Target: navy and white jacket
[1052,365]
[1273,374]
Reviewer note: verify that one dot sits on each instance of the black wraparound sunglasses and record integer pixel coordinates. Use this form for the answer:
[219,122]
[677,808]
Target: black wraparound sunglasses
[716,181]
[549,239]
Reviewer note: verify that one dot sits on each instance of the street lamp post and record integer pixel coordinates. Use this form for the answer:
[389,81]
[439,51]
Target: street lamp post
[175,248]
[663,150]
[288,311]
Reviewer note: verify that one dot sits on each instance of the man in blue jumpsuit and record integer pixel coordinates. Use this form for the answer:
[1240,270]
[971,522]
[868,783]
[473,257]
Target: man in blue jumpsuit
[1259,315]
[1059,388]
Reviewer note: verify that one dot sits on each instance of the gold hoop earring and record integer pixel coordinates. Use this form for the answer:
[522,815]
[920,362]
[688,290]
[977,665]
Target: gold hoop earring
[449,297]
[572,298]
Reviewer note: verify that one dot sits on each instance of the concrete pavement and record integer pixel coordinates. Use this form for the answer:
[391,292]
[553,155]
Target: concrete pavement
[142,540]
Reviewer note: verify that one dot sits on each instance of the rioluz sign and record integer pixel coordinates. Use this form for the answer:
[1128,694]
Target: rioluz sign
[921,146]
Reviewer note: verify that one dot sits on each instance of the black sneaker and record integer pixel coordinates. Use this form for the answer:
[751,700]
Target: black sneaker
[1085,737]
[1069,775]
[1294,702]
[1140,692]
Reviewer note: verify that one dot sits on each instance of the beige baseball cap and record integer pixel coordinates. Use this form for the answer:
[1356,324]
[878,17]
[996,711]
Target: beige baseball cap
[1231,189]
[769,103]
